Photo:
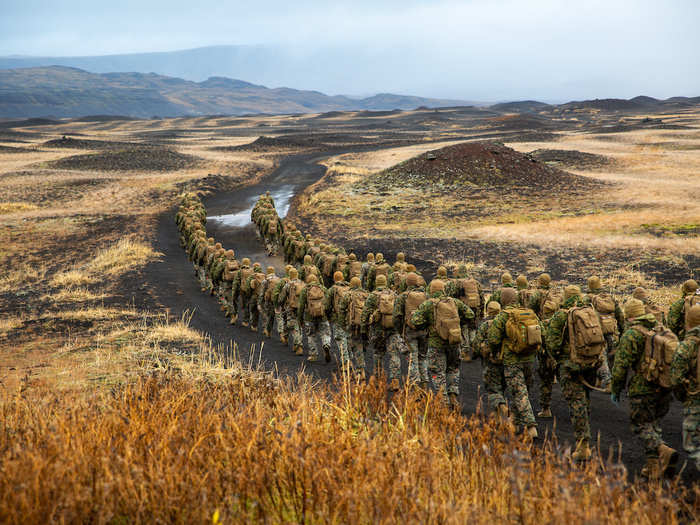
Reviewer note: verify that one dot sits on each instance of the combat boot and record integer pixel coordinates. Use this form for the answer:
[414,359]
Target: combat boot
[327,353]
[244,324]
[651,470]
[668,458]
[266,332]
[283,339]
[299,350]
[234,318]
[532,432]
[253,328]
[503,411]
[454,402]
[545,413]
[582,452]
[394,385]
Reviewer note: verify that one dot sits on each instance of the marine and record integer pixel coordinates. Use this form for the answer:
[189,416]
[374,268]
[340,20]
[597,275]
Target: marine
[494,378]
[352,306]
[334,312]
[266,305]
[468,290]
[677,311]
[311,314]
[416,341]
[289,297]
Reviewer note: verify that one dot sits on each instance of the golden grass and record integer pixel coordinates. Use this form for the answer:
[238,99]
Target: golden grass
[7,324]
[16,207]
[121,257]
[72,278]
[19,277]
[91,313]
[75,295]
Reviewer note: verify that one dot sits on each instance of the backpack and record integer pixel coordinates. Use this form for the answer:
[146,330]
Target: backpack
[508,296]
[357,303]
[470,293]
[299,250]
[550,303]
[523,331]
[245,273]
[381,269]
[355,269]
[604,304]
[655,311]
[586,340]
[414,299]
[659,346]
[447,321]
[399,278]
[315,299]
[257,280]
[272,282]
[328,265]
[272,228]
[340,292]
[294,293]
[386,308]
[229,270]
[525,297]
[690,301]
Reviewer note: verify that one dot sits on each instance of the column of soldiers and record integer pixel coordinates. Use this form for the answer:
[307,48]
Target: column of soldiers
[585,341]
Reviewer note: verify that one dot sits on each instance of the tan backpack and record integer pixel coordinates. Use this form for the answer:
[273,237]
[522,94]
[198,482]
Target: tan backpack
[296,287]
[659,347]
[690,301]
[414,299]
[257,280]
[382,269]
[272,227]
[586,340]
[525,297]
[314,300]
[523,331]
[550,303]
[341,290]
[447,323]
[471,296]
[230,270]
[386,308]
[355,269]
[604,304]
[271,283]
[328,261]
[299,250]
[508,296]
[357,303]
[245,273]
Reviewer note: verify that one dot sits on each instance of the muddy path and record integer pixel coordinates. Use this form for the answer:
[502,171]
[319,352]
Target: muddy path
[172,283]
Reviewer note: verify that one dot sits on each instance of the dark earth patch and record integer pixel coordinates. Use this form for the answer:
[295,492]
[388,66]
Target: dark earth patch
[571,158]
[135,159]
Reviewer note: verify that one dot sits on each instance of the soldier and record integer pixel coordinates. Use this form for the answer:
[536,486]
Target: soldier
[311,314]
[415,340]
[249,296]
[353,268]
[401,261]
[281,310]
[650,396]
[334,301]
[397,279]
[468,290]
[578,360]
[677,312]
[228,273]
[611,317]
[443,317]
[506,294]
[378,316]
[237,291]
[352,306]
[266,305]
[289,297]
[210,254]
[366,268]
[525,294]
[214,271]
[685,380]
[494,378]
[516,334]
[649,307]
[381,267]
[308,268]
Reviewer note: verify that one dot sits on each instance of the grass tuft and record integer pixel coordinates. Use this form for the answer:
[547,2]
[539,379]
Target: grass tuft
[123,256]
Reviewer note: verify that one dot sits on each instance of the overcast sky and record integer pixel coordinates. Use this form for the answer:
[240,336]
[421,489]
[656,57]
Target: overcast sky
[471,49]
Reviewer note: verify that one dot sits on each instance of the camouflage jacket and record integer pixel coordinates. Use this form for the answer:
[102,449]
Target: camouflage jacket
[400,307]
[557,338]
[480,346]
[536,300]
[372,276]
[302,311]
[331,313]
[285,292]
[364,275]
[424,318]
[500,344]
[249,288]
[277,291]
[454,288]
[371,306]
[496,296]
[266,284]
[684,369]
[676,317]
[236,285]
[308,269]
[345,308]
[629,353]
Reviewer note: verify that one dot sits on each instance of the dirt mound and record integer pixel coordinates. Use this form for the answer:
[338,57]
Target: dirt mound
[571,158]
[305,140]
[479,164]
[137,159]
[13,149]
[71,143]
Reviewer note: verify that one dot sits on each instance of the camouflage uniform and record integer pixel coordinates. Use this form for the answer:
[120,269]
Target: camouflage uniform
[595,289]
[266,305]
[685,379]
[281,310]
[356,334]
[292,325]
[455,288]
[494,378]
[338,320]
[676,313]
[308,268]
[237,293]
[249,297]
[649,403]
[443,357]
[546,364]
[416,341]
[316,328]
[366,268]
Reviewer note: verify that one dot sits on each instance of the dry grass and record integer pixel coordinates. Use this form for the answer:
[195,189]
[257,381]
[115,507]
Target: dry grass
[7,324]
[72,278]
[16,207]
[75,295]
[118,259]
[21,276]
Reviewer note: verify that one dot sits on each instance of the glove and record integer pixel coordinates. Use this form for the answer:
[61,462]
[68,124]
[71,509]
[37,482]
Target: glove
[615,398]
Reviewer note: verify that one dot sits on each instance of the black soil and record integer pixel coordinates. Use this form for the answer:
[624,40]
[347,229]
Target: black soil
[134,159]
[571,158]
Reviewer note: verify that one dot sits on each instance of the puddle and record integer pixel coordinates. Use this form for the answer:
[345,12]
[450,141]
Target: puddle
[282,197]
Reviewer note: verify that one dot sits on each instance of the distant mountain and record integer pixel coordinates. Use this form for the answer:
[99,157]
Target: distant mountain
[59,91]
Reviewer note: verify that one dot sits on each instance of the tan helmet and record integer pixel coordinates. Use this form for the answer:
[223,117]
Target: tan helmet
[493,309]
[270,270]
[401,257]
[640,293]
[324,247]
[571,291]
[337,277]
[210,240]
[506,278]
[411,268]
[257,267]
[544,280]
[293,273]
[634,308]
[694,316]
[352,257]
[461,270]
[230,254]
[370,257]
[311,278]
[379,257]
[521,282]
[307,260]
[218,246]
[380,280]
[442,272]
[355,282]
[397,266]
[690,287]
[436,285]
[412,279]
[245,262]
[308,237]
[594,283]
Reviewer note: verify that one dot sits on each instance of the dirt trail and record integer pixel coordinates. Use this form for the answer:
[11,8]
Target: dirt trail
[173,284]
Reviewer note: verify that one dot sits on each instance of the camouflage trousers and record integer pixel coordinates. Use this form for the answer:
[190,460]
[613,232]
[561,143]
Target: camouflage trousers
[267,315]
[232,302]
[646,413]
[356,343]
[202,276]
[546,370]
[293,328]
[386,343]
[518,380]
[341,338]
[603,373]
[317,330]
[246,310]
[281,318]
[495,383]
[443,364]
[691,432]
[578,397]
[417,343]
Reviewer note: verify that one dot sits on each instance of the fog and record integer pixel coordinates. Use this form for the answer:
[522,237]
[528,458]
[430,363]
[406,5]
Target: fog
[481,50]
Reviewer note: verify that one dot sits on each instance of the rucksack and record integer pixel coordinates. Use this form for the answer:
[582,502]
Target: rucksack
[328,265]
[272,227]
[272,282]
[414,299]
[659,347]
[293,299]
[525,297]
[245,273]
[381,269]
[355,269]
[386,308]
[299,250]
[257,280]
[508,296]
[654,310]
[447,323]
[523,331]
[550,303]
[604,304]
[399,278]
[340,292]
[229,270]
[315,299]
[690,301]
[358,298]
[586,340]
[471,296]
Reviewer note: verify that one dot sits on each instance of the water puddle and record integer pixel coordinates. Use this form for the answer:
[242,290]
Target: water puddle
[282,197]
